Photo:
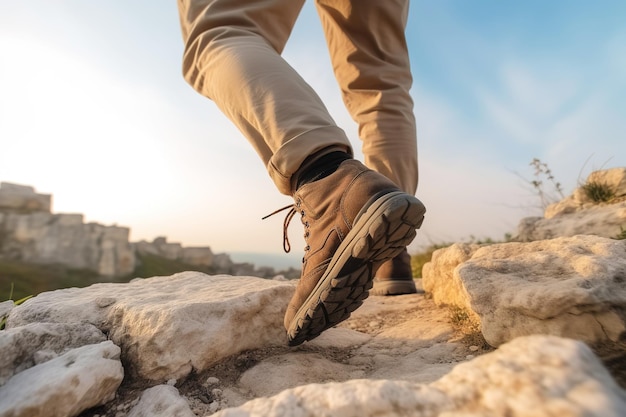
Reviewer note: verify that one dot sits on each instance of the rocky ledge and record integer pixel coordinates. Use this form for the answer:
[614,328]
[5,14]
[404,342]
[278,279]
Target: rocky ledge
[533,328]
[198,345]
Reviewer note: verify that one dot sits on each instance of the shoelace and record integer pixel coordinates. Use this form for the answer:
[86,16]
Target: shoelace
[294,208]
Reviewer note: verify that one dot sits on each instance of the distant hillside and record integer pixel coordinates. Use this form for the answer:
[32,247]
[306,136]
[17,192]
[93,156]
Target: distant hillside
[278,261]
[31,279]
[41,250]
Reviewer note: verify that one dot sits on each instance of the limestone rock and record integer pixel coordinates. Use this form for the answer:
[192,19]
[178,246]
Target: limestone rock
[438,276]
[572,287]
[579,214]
[168,326]
[614,178]
[45,238]
[202,256]
[22,346]
[533,376]
[65,386]
[198,256]
[161,401]
[277,374]
[600,220]
[355,398]
[6,307]
[23,199]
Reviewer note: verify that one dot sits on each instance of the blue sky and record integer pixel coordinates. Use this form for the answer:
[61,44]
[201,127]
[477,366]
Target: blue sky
[94,110]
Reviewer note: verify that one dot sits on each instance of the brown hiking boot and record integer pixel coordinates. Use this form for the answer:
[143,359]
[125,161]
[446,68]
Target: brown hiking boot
[354,220]
[394,277]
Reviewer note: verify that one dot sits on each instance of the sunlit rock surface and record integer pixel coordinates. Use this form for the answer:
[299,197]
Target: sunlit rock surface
[169,326]
[533,376]
[66,385]
[572,287]
[579,214]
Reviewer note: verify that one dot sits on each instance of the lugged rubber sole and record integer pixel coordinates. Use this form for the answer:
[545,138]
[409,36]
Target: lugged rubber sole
[393,287]
[381,231]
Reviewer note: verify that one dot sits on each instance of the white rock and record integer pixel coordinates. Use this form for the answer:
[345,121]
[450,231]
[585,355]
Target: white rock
[23,198]
[572,287]
[161,401]
[614,178]
[65,386]
[355,398]
[535,376]
[599,220]
[23,347]
[579,214]
[273,375]
[44,238]
[212,381]
[6,307]
[440,278]
[167,326]
[340,338]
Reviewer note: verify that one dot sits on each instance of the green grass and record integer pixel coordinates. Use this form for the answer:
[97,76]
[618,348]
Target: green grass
[598,192]
[19,280]
[154,265]
[418,260]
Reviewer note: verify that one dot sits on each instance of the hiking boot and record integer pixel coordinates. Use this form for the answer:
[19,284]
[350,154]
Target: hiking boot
[354,220]
[394,277]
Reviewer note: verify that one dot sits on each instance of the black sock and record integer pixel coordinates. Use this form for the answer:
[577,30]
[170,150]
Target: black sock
[322,167]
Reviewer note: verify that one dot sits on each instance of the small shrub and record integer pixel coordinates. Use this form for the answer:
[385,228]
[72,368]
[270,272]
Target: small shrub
[461,319]
[3,319]
[542,175]
[598,192]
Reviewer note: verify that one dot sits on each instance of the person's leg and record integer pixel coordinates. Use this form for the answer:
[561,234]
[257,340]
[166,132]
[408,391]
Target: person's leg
[369,53]
[368,49]
[354,218]
[232,56]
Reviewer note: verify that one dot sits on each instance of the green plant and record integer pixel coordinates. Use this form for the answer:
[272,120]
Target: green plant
[418,260]
[463,320]
[622,234]
[149,265]
[598,192]
[3,319]
[544,174]
[508,237]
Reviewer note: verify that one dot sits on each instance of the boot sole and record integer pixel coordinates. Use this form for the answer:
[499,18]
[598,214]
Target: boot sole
[393,287]
[381,231]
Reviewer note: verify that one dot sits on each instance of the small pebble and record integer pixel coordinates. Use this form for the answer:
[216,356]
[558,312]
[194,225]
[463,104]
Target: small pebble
[171,382]
[468,357]
[214,407]
[473,348]
[212,381]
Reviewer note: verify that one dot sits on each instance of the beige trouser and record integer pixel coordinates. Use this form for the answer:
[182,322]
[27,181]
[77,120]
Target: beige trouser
[232,56]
